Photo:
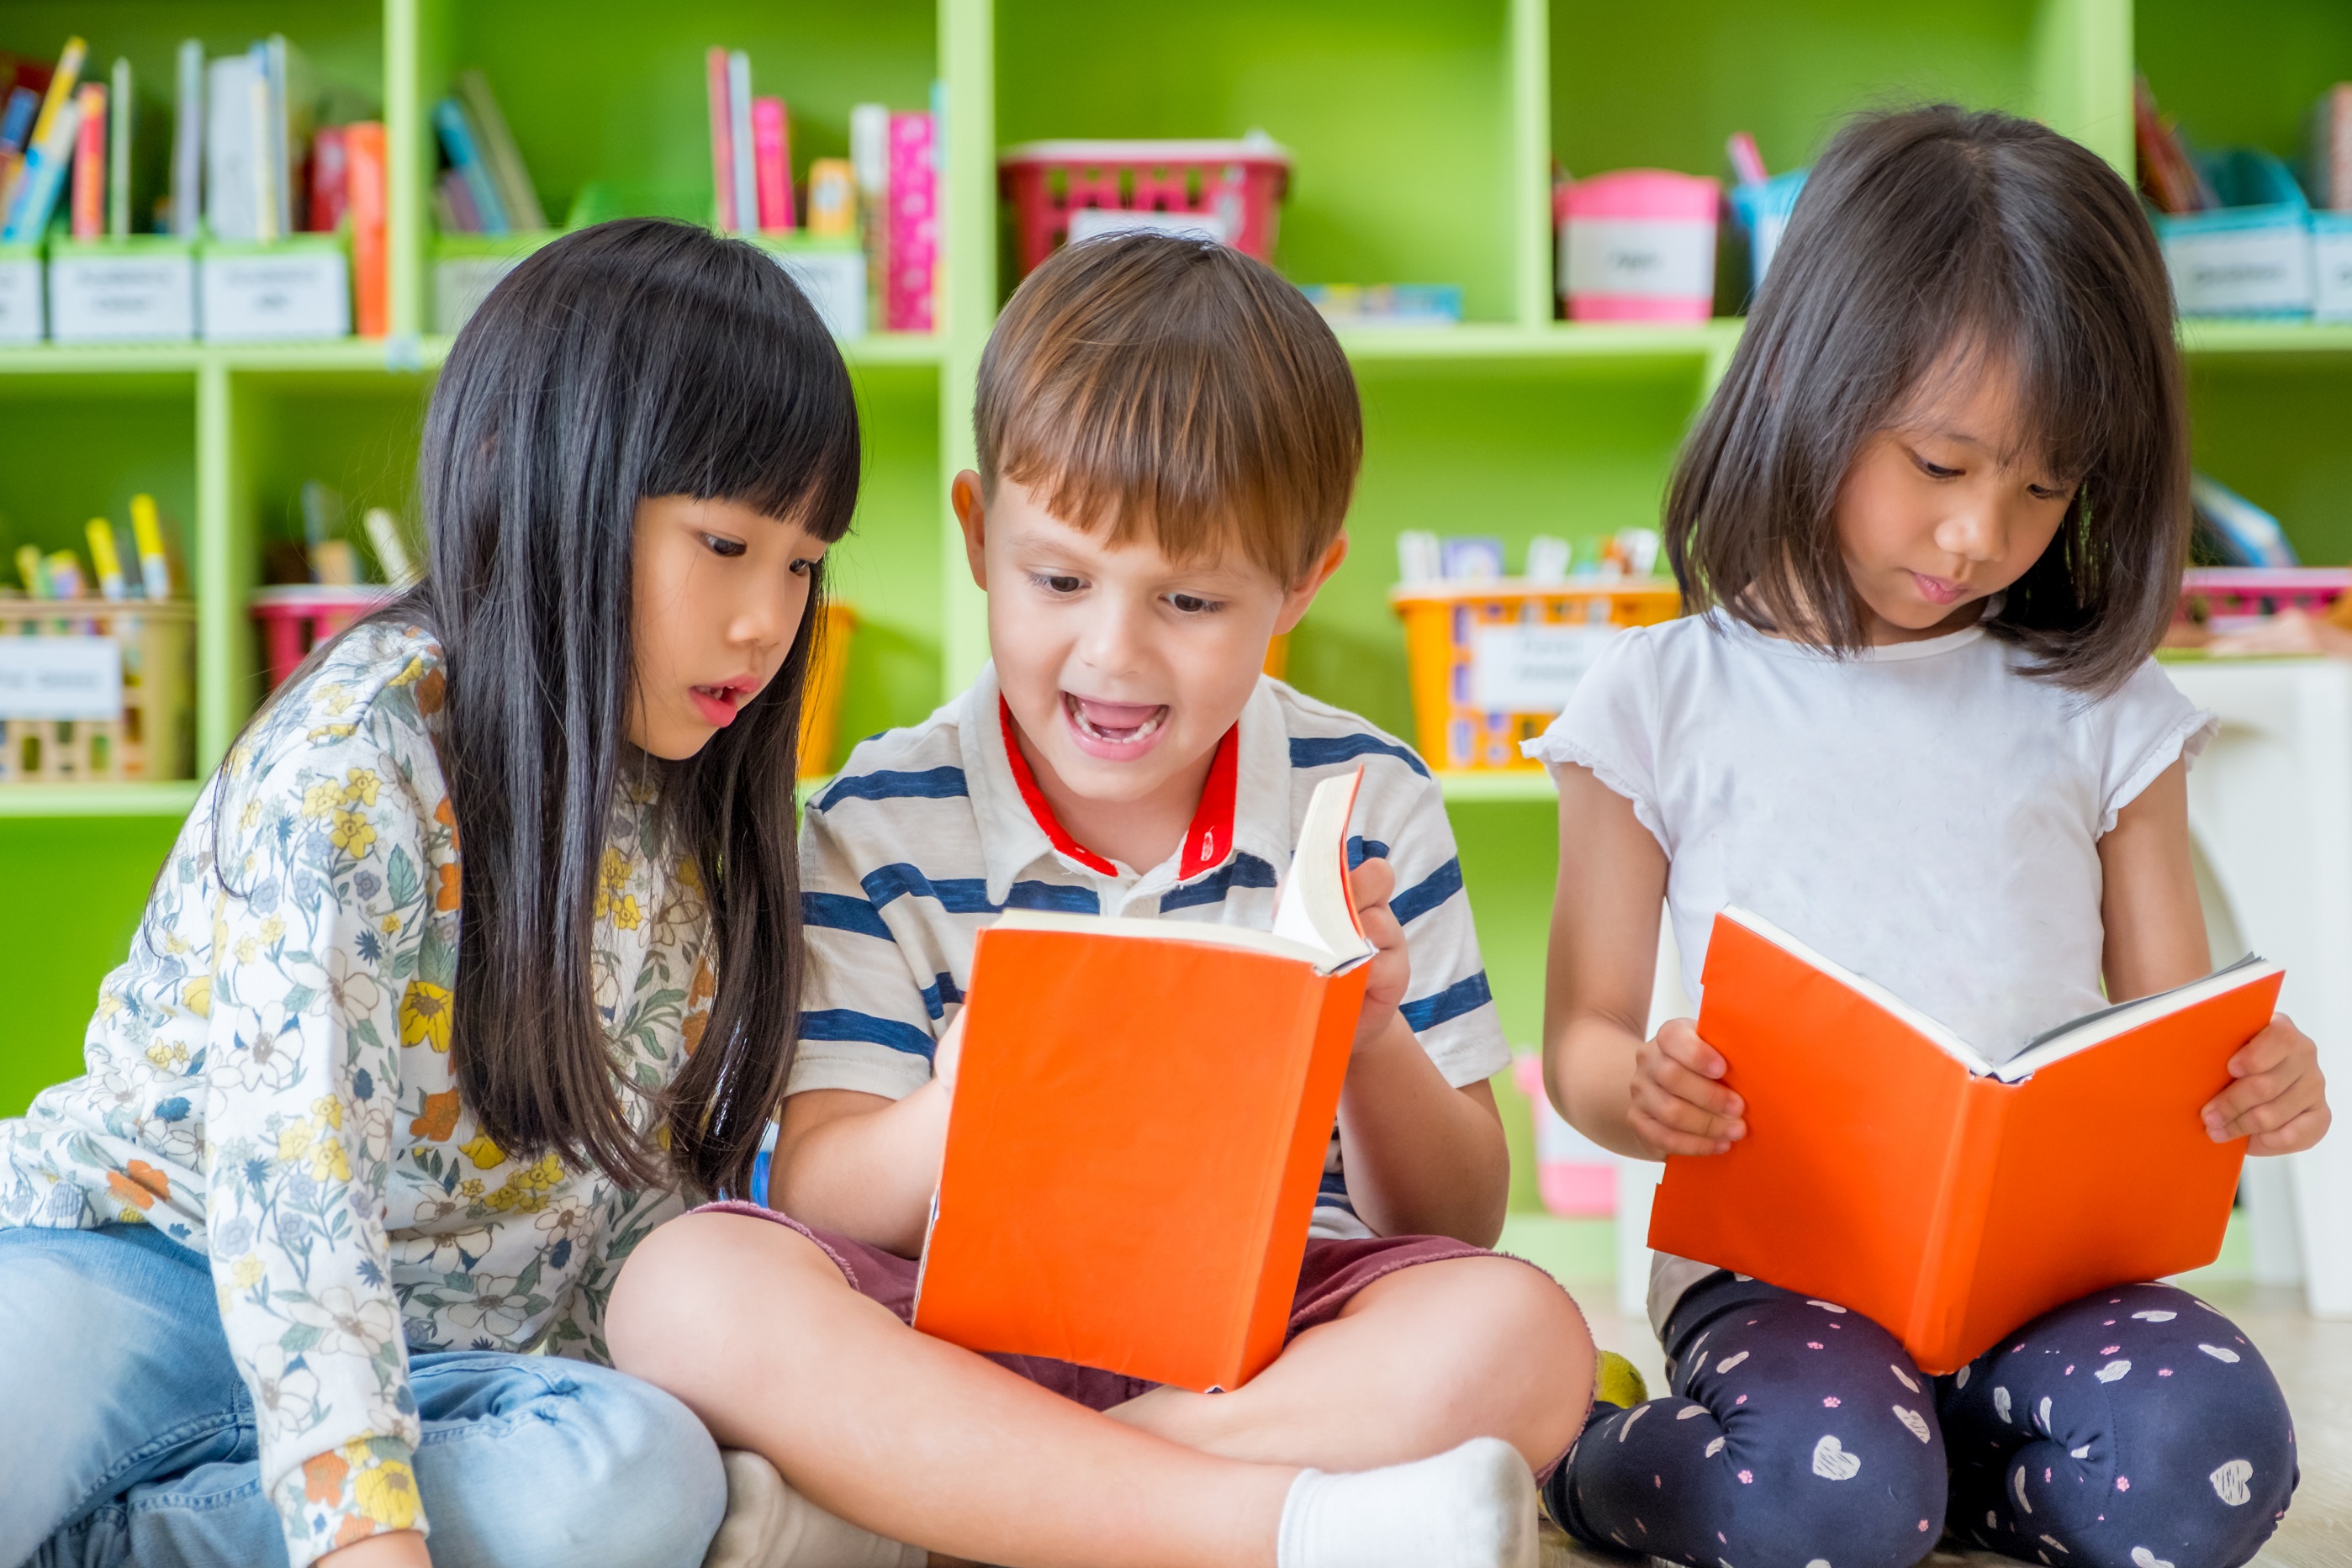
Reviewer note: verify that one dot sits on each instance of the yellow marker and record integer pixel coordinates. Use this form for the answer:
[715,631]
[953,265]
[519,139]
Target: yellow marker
[31,568]
[155,567]
[102,556]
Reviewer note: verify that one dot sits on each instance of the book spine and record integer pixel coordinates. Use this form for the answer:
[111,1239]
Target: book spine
[869,158]
[457,138]
[90,166]
[914,242]
[738,111]
[772,149]
[118,153]
[363,185]
[722,139]
[330,179]
[261,143]
[188,141]
[1956,1230]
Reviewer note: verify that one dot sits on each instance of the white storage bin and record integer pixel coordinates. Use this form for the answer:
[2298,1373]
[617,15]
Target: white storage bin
[137,290]
[285,290]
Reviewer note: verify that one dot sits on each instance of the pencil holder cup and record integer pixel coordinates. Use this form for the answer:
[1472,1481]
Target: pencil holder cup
[95,690]
[1762,212]
[1638,245]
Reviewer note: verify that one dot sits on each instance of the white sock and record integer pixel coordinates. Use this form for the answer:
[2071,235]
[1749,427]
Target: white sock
[1471,1506]
[770,1525]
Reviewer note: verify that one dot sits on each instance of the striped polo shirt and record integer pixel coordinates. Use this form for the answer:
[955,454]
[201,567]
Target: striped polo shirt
[928,833]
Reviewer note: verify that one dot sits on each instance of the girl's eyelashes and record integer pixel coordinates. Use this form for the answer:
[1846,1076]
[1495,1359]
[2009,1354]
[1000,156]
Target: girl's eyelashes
[721,545]
[1934,470]
[805,565]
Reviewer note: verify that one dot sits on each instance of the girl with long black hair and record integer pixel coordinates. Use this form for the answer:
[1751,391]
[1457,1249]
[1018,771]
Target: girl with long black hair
[479,948]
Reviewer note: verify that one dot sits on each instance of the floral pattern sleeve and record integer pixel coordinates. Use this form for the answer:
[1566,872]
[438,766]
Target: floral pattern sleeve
[330,948]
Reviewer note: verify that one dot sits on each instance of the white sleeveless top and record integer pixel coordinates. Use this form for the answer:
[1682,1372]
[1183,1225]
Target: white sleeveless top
[1924,814]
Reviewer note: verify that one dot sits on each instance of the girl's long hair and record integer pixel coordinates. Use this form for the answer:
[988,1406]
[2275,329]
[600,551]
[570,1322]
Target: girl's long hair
[1933,241]
[637,359]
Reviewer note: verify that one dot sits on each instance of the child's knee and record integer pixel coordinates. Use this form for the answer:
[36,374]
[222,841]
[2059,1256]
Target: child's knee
[696,1265]
[1671,1476]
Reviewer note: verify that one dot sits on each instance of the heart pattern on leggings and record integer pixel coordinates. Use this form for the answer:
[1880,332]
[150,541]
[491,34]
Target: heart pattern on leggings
[2143,1558]
[1913,1422]
[2229,1483]
[1831,1463]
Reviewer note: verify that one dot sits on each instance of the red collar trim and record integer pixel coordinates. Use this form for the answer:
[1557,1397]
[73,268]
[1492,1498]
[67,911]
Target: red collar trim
[1207,841]
[1041,808]
[1210,839]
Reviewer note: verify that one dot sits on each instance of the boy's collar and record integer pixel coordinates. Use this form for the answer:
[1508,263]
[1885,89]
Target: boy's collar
[1245,803]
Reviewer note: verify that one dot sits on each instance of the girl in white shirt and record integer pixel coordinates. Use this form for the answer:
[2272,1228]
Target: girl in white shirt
[1932,527]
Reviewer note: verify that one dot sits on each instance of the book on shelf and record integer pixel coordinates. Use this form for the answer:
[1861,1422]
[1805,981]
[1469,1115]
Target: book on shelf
[40,178]
[481,209]
[771,146]
[493,142]
[912,243]
[367,199]
[1892,1168]
[188,141]
[722,137]
[88,204]
[1130,1168]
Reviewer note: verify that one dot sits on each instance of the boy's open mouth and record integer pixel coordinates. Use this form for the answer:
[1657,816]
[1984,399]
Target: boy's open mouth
[719,705]
[1113,728]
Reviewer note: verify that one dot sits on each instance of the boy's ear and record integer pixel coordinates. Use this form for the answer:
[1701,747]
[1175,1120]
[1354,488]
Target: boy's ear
[1302,592]
[971,512]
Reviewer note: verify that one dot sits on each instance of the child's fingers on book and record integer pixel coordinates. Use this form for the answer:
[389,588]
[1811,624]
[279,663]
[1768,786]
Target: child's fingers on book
[1679,1039]
[1371,882]
[2296,1136]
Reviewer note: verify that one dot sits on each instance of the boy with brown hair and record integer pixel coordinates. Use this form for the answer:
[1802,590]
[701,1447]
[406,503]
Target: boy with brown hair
[1168,437]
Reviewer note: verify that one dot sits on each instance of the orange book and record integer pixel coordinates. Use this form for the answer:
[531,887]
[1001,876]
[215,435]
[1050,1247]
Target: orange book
[366,200]
[1890,1168]
[1139,1126]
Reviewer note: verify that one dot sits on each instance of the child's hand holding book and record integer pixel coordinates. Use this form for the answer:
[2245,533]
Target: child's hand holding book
[2279,1100]
[1680,1105]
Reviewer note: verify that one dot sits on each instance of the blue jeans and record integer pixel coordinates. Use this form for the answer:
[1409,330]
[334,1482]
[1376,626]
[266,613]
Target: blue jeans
[126,1436]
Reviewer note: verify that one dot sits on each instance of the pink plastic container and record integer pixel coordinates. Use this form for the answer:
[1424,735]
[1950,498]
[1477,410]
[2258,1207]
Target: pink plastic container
[1577,1177]
[1638,245]
[295,619]
[2232,598]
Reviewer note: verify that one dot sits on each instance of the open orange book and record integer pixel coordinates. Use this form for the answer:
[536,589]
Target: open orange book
[1890,1168]
[1139,1126]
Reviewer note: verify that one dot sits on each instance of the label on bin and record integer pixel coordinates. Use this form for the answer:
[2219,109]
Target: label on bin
[60,677]
[1531,667]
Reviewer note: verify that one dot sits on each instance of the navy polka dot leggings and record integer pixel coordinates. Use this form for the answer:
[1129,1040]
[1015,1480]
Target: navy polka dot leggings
[2134,1428]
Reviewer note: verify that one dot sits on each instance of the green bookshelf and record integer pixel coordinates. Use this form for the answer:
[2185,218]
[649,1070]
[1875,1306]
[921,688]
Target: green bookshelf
[1423,136]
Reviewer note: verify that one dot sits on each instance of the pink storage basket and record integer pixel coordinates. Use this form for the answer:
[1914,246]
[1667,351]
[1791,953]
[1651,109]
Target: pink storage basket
[1237,186]
[294,620]
[1638,245]
[2229,598]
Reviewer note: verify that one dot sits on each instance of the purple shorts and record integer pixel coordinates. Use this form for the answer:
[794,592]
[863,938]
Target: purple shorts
[1331,1275]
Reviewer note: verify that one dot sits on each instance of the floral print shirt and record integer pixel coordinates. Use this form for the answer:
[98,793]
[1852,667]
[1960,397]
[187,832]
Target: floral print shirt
[269,1082]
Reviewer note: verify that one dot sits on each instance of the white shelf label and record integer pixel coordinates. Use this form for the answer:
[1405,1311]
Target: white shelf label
[1531,667]
[2234,272]
[20,300]
[60,677]
[834,282]
[132,298]
[1093,223]
[2331,264]
[262,298]
[1646,258]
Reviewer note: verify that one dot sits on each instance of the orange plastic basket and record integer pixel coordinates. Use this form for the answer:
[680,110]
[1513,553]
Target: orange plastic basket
[153,734]
[1440,620]
[821,704]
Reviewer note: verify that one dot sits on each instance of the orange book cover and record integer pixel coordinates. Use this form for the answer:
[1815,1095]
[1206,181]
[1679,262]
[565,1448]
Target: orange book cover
[1890,1168]
[1141,1121]
[367,200]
